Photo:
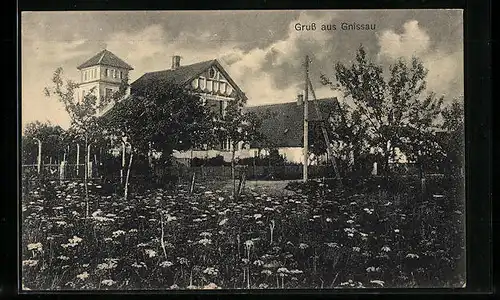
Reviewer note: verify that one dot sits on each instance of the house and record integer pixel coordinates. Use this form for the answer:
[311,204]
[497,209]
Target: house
[103,74]
[283,127]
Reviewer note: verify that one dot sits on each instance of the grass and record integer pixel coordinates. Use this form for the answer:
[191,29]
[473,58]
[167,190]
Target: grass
[307,237]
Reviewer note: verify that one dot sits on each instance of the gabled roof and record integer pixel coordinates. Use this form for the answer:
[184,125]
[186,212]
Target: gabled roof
[282,124]
[181,76]
[106,58]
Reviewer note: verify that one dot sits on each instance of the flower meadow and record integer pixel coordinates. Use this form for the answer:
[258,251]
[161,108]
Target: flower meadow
[171,239]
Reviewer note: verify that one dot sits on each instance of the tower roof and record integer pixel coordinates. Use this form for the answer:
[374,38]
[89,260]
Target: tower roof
[106,58]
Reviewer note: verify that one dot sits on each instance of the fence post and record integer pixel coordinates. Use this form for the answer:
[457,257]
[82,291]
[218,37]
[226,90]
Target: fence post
[89,166]
[77,159]
[62,170]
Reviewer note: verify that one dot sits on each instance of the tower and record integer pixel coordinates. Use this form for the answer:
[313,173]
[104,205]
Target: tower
[102,75]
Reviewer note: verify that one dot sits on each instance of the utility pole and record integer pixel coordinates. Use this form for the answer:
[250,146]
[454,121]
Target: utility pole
[306,116]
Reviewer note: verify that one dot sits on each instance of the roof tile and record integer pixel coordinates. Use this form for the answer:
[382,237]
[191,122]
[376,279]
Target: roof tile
[105,57]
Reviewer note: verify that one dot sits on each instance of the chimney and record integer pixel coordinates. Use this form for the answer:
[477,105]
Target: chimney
[300,99]
[176,62]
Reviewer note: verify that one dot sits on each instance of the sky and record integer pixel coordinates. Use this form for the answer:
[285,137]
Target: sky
[261,50]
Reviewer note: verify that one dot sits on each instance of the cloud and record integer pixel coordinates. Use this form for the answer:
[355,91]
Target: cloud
[273,74]
[413,41]
[267,75]
[445,68]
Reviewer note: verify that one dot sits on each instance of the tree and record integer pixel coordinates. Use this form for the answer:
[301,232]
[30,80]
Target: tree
[452,140]
[53,139]
[238,127]
[83,116]
[161,118]
[396,110]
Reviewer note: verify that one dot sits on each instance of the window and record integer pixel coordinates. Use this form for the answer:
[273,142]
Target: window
[107,72]
[121,75]
[202,83]
[108,93]
[221,107]
[83,94]
[212,73]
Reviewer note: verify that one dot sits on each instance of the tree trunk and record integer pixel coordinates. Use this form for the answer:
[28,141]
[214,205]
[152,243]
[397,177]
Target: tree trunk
[233,172]
[85,178]
[128,173]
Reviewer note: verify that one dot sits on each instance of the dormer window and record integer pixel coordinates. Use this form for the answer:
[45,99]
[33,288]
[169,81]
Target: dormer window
[212,73]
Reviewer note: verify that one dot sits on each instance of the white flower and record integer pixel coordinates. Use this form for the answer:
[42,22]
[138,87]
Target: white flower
[118,233]
[396,230]
[205,234]
[379,282]
[329,220]
[139,265]
[368,210]
[62,257]
[61,223]
[258,262]
[150,252]
[248,243]
[303,246]
[166,264]
[224,221]
[211,271]
[332,245]
[210,286]
[35,246]
[182,260]
[350,221]
[267,272]
[257,216]
[30,262]
[411,255]
[386,249]
[83,276]
[108,282]
[205,242]
[174,287]
[296,271]
[171,218]
[356,249]
[75,240]
[372,269]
